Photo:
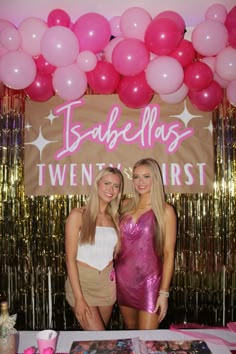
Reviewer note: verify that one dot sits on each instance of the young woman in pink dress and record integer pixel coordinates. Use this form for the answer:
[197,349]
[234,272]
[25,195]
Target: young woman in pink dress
[145,264]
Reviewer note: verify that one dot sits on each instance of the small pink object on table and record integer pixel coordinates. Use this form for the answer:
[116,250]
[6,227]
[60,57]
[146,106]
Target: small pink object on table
[48,351]
[30,350]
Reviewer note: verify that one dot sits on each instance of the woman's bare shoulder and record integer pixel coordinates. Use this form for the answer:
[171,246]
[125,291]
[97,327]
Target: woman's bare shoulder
[170,211]
[76,213]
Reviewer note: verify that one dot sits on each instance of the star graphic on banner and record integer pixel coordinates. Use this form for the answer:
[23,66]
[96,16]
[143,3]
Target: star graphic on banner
[28,126]
[51,116]
[210,127]
[40,142]
[185,116]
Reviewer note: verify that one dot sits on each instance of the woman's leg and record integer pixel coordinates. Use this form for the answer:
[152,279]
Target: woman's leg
[147,320]
[130,317]
[105,312]
[95,322]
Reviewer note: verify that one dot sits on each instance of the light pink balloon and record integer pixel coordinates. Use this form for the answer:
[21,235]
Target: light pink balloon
[108,50]
[69,82]
[10,38]
[164,74]
[209,38]
[115,26]
[134,22]
[231,92]
[177,96]
[216,12]
[3,50]
[226,64]
[59,46]
[4,24]
[210,61]
[223,83]
[17,69]
[32,30]
[86,60]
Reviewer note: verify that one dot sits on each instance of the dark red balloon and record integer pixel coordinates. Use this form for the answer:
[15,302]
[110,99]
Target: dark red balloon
[197,76]
[207,99]
[58,17]
[184,53]
[41,89]
[134,91]
[43,65]
[104,79]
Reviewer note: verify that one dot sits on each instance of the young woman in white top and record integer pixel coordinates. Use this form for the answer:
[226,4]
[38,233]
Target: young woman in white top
[91,243]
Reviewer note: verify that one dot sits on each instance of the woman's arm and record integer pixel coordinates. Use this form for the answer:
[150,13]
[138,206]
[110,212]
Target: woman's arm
[168,259]
[73,226]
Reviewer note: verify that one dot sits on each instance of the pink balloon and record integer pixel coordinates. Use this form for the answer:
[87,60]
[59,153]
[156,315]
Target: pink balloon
[134,91]
[210,61]
[104,79]
[69,82]
[231,92]
[43,66]
[177,96]
[130,57]
[232,37]
[86,60]
[163,36]
[41,88]
[223,83]
[226,64]
[3,50]
[134,22]
[230,21]
[32,30]
[59,46]
[184,53]
[4,24]
[58,17]
[115,26]
[10,38]
[108,50]
[209,37]
[198,76]
[174,16]
[93,32]
[216,12]
[164,74]
[207,99]
[17,69]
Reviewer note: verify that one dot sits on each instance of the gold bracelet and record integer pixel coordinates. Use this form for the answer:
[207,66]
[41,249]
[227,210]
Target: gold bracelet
[164,293]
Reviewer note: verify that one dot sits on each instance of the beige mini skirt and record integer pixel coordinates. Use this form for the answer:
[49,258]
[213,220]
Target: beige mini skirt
[98,287]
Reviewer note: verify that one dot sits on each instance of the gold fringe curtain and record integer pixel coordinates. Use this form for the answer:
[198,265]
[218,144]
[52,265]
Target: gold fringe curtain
[32,262]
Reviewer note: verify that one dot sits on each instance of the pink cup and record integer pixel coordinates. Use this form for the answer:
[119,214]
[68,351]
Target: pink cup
[46,339]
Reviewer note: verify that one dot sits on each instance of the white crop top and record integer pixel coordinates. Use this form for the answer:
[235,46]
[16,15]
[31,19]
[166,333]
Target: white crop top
[99,254]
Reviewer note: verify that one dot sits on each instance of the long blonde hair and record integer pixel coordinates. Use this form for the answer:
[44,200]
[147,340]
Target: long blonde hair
[87,232]
[157,199]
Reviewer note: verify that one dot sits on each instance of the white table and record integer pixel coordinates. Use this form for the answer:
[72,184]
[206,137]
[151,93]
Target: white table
[65,339]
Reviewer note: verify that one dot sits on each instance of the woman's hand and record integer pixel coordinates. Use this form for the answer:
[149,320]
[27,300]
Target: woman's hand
[161,307]
[82,312]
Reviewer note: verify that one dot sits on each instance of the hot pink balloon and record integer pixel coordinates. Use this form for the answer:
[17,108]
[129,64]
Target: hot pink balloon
[130,57]
[58,17]
[115,26]
[10,38]
[43,66]
[59,46]
[164,74]
[184,53]
[216,12]
[41,88]
[232,37]
[174,16]
[134,91]
[231,92]
[104,79]
[207,99]
[17,69]
[177,96]
[163,36]
[86,60]
[69,82]
[93,32]
[230,21]
[108,50]
[226,64]
[209,37]
[134,22]
[32,30]
[198,76]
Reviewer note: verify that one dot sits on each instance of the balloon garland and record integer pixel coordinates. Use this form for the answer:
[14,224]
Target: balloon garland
[132,55]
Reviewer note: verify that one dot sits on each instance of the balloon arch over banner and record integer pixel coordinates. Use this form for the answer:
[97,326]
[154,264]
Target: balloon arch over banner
[133,55]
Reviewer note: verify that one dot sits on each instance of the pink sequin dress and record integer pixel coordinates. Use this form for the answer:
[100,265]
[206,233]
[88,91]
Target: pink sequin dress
[138,267]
